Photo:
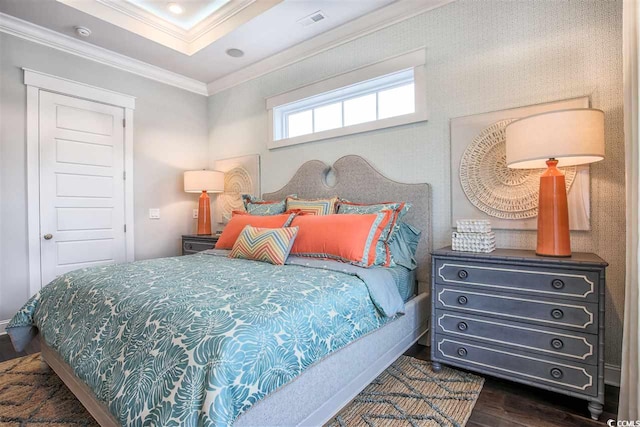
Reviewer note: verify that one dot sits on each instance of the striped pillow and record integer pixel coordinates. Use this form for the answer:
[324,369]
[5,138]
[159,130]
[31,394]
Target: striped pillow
[264,244]
[240,220]
[313,206]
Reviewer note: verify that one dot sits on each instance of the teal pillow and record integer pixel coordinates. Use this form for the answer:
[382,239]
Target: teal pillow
[256,206]
[404,245]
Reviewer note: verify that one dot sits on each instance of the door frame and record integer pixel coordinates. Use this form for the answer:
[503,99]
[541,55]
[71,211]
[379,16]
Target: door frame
[36,82]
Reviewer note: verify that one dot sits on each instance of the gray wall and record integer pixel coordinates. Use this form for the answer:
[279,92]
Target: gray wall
[481,56]
[170,136]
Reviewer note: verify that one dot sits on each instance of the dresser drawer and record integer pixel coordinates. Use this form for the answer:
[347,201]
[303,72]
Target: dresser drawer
[580,316]
[542,281]
[572,346]
[194,246]
[519,366]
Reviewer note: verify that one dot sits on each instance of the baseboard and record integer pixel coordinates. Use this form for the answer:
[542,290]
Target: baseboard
[612,375]
[3,326]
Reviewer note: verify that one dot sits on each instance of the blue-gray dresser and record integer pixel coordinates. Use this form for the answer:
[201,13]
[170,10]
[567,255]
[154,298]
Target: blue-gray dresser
[526,318]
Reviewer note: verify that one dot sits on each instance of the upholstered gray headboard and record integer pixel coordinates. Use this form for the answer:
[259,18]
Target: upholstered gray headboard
[357,181]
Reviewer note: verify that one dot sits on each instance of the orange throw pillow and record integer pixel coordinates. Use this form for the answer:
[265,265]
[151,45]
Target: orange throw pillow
[239,222]
[349,238]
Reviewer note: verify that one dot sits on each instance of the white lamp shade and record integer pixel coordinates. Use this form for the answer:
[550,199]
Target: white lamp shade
[204,180]
[573,137]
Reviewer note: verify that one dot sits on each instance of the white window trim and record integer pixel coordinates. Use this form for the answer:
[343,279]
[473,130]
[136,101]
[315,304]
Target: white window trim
[415,59]
[35,82]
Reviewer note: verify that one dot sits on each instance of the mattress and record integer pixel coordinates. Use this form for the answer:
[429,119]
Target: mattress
[199,339]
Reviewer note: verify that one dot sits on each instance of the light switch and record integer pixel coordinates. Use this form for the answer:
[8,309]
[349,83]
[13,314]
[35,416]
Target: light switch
[195,213]
[154,213]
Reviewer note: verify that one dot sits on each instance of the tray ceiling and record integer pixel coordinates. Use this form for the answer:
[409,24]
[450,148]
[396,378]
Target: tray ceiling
[274,28]
[200,23]
[193,11]
[247,38]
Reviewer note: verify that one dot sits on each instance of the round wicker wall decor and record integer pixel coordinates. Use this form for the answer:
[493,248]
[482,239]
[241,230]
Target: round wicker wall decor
[494,188]
[237,181]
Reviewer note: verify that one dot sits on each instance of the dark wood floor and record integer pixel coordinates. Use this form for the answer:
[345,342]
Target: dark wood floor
[7,352]
[501,403]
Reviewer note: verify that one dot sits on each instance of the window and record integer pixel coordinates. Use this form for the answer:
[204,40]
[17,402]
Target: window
[385,94]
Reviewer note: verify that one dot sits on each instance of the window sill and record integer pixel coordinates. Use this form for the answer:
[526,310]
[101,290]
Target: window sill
[349,130]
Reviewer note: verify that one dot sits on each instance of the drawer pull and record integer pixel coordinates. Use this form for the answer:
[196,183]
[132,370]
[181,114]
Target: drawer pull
[462,326]
[556,313]
[556,373]
[462,352]
[463,274]
[462,300]
[188,246]
[557,284]
[557,343]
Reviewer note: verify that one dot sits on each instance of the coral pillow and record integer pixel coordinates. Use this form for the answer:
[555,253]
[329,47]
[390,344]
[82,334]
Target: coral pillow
[264,244]
[349,238]
[239,222]
[400,209]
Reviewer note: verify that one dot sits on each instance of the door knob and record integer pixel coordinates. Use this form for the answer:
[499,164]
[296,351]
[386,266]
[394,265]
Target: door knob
[48,236]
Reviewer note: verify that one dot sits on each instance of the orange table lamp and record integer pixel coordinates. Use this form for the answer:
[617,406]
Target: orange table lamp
[203,181]
[555,139]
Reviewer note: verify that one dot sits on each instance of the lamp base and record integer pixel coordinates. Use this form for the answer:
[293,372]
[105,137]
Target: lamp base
[553,214]
[204,214]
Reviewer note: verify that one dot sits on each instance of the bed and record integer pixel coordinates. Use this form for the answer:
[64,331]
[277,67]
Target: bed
[307,396]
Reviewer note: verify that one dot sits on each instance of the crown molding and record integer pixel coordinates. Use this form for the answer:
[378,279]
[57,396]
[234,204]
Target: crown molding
[134,18]
[188,33]
[394,13]
[134,12]
[46,37]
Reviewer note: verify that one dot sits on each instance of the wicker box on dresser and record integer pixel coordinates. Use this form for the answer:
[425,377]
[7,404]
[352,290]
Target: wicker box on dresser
[526,318]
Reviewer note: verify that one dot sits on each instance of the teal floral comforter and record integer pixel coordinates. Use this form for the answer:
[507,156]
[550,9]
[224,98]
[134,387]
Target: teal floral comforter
[195,340]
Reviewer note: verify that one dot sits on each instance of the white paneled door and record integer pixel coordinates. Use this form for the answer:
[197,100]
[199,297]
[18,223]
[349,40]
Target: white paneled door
[82,212]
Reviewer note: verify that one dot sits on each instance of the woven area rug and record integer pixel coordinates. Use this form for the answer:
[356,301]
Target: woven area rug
[409,393]
[30,397]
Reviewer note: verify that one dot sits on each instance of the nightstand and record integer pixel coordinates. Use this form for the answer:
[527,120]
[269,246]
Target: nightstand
[526,318]
[194,243]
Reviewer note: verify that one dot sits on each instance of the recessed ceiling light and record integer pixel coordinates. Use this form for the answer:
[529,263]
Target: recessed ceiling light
[175,8]
[236,53]
[82,31]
